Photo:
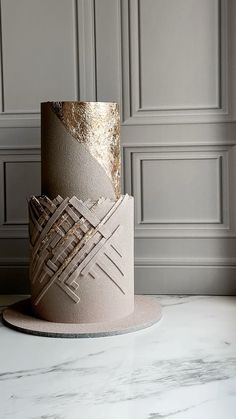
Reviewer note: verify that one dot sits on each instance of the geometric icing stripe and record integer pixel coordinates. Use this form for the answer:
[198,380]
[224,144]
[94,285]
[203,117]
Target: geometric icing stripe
[71,239]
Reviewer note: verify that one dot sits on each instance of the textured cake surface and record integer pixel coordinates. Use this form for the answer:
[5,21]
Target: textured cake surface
[81,252]
[80,145]
[81,227]
[96,125]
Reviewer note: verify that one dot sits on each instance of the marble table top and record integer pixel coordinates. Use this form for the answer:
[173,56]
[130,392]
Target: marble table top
[182,368]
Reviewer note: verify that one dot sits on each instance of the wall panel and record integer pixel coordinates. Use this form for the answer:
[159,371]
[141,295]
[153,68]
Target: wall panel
[185,189]
[175,57]
[38,53]
[181,191]
[19,179]
[171,66]
[181,72]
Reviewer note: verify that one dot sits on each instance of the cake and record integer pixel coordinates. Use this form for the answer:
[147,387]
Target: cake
[81,230]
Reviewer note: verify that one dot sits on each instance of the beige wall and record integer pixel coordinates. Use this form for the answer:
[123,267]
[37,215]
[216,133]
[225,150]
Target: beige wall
[171,66]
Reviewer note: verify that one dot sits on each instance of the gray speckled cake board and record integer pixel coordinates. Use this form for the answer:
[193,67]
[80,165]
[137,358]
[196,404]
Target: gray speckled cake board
[147,311]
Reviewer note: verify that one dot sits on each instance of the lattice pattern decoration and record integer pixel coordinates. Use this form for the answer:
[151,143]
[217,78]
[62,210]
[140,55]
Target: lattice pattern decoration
[70,239]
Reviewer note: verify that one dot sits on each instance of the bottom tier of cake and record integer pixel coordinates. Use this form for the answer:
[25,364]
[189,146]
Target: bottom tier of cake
[81,268]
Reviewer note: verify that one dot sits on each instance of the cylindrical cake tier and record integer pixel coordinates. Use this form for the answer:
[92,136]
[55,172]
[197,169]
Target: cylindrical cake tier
[81,266]
[80,148]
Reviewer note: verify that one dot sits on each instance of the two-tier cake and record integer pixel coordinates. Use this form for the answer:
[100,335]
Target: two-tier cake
[81,231]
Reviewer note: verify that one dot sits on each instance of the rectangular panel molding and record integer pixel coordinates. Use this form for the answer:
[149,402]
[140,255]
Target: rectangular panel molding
[19,179]
[47,53]
[180,191]
[187,188]
[174,67]
[29,77]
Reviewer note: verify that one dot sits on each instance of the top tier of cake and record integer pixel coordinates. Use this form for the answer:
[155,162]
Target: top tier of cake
[80,148]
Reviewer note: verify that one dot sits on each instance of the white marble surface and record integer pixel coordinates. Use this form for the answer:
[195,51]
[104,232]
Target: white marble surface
[182,368]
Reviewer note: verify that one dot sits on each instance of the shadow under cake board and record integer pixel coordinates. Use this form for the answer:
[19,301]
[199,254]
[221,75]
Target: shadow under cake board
[147,312]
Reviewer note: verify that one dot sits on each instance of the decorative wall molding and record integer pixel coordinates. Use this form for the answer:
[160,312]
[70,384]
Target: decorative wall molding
[107,71]
[31,117]
[219,86]
[181,158]
[85,66]
[134,112]
[18,228]
[224,223]
[86,83]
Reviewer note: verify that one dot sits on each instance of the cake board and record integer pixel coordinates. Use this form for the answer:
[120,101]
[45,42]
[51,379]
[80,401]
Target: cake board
[19,316]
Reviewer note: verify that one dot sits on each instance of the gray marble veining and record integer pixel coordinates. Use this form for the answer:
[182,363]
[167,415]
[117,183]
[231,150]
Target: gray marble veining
[182,368]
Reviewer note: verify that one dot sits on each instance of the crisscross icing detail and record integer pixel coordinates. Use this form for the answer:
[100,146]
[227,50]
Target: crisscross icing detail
[71,239]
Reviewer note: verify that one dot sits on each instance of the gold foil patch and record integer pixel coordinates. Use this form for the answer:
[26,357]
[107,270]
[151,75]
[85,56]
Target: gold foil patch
[97,126]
